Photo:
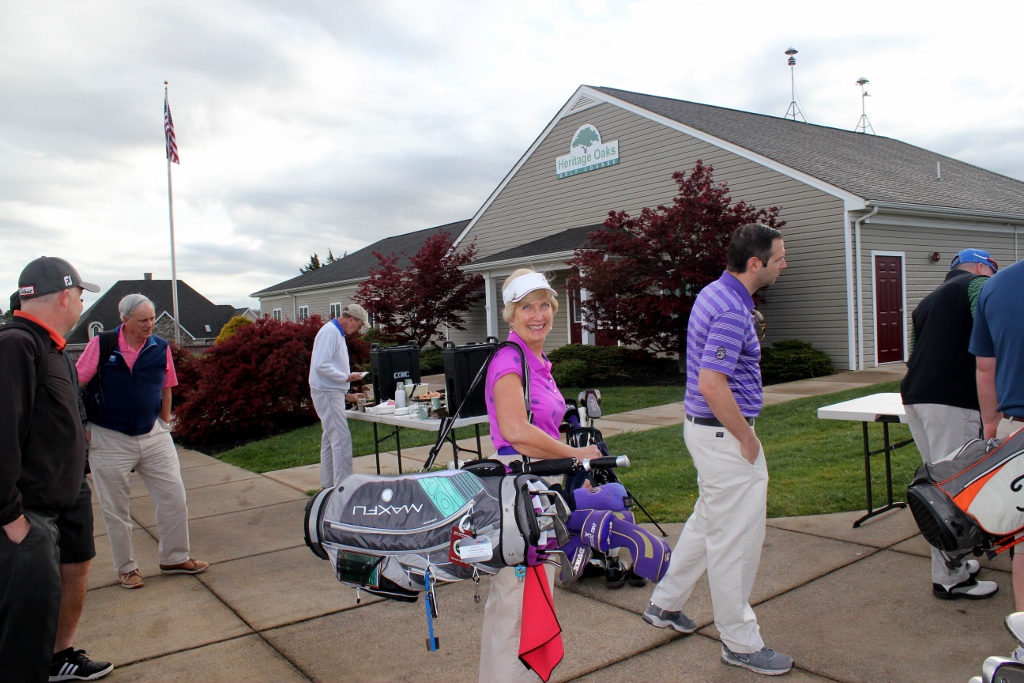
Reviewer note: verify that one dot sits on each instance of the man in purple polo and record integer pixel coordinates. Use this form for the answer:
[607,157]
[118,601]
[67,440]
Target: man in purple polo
[723,396]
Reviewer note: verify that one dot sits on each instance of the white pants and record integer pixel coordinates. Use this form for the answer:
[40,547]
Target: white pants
[336,442]
[503,619]
[112,456]
[723,536]
[939,430]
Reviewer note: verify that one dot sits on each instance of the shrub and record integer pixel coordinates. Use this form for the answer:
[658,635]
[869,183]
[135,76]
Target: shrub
[788,360]
[610,362]
[570,373]
[431,360]
[230,327]
[185,367]
[254,383]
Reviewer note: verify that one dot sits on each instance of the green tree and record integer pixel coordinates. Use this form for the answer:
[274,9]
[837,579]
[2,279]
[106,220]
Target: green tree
[314,264]
[585,138]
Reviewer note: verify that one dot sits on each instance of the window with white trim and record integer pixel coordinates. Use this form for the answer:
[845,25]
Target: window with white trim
[335,311]
[95,328]
[303,312]
[277,314]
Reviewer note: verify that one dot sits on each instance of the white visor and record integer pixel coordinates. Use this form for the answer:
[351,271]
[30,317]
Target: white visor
[524,284]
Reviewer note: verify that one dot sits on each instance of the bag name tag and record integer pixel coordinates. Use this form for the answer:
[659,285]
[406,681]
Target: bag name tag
[475,549]
[458,537]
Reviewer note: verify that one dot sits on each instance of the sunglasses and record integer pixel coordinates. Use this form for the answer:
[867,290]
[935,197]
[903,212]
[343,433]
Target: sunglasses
[761,327]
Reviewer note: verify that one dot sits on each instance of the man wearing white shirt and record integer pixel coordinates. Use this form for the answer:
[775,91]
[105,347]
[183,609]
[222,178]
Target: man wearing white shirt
[329,382]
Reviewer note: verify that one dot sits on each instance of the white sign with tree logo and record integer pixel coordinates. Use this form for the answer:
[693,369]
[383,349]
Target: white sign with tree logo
[587,153]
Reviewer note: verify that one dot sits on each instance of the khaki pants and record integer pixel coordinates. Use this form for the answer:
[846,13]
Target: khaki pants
[336,442]
[112,456]
[723,536]
[939,430]
[499,638]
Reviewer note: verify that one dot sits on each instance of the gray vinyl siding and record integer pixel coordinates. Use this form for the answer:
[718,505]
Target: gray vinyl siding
[921,275]
[809,300]
[269,303]
[318,300]
[476,325]
[476,320]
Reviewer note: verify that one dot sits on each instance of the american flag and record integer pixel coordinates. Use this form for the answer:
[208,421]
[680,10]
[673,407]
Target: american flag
[172,146]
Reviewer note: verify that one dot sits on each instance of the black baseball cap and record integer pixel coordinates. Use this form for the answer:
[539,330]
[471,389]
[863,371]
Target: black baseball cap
[15,302]
[48,274]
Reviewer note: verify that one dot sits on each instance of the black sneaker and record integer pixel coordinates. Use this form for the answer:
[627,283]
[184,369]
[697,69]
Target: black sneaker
[73,665]
[635,579]
[614,576]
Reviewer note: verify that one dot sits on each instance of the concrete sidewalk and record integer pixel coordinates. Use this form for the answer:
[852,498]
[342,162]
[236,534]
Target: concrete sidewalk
[848,604]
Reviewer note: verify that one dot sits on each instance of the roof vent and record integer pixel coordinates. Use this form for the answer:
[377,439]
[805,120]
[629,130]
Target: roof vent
[582,103]
[147,276]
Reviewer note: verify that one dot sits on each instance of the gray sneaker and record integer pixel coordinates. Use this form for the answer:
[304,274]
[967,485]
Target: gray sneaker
[655,616]
[765,661]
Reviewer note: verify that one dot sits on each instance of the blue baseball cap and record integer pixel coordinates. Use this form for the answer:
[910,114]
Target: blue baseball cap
[973,256]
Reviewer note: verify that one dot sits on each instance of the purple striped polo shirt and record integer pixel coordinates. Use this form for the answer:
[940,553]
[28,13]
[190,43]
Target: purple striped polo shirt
[720,336]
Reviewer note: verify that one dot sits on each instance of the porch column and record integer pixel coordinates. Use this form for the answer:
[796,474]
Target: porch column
[491,305]
[584,330]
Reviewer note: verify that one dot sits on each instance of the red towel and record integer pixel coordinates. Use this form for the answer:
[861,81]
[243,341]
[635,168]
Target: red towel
[540,638]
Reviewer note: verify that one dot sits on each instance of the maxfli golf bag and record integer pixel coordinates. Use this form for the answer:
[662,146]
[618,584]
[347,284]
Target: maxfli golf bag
[383,533]
[971,501]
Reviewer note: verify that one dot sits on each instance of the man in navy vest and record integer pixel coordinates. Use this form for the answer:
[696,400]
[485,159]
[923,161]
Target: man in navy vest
[330,378]
[129,407]
[940,395]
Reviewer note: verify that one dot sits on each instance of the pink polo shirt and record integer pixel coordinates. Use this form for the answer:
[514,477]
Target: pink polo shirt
[88,362]
[546,402]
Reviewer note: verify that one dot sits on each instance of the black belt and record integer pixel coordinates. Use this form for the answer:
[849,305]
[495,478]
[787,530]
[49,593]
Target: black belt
[713,422]
[1013,418]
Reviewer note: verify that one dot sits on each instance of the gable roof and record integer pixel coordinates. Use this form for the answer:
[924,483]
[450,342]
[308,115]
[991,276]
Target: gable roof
[357,265]
[195,310]
[872,167]
[561,242]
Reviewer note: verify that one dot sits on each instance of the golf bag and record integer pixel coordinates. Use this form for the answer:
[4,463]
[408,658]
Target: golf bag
[382,534]
[971,500]
[602,522]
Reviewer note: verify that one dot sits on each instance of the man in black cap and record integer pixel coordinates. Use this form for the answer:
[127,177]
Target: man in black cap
[940,395]
[42,461]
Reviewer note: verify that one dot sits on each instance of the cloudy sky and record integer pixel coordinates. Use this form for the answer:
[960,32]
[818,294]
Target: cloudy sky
[304,126]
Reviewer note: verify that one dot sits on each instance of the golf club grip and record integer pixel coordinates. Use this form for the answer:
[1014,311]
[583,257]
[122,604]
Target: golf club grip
[606,463]
[551,467]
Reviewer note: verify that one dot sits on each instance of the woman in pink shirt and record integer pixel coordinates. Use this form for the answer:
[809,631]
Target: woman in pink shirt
[530,306]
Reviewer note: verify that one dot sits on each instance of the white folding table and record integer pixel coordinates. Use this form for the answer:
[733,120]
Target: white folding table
[887,409]
[409,422]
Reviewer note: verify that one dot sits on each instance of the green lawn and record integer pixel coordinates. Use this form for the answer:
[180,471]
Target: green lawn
[815,466]
[302,446]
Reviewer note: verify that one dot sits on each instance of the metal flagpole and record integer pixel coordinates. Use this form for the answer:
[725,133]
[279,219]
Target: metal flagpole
[172,154]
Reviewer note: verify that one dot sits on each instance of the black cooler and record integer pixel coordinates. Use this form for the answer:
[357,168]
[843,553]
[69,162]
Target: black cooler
[391,366]
[461,363]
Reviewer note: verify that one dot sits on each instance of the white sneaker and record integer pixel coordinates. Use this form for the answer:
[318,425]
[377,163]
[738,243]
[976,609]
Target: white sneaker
[1018,654]
[972,589]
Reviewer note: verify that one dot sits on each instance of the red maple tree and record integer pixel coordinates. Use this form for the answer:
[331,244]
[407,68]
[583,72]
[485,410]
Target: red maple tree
[417,301]
[254,383]
[643,273]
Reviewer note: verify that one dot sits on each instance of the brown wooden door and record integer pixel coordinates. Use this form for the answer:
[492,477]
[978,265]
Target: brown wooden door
[889,308]
[575,317]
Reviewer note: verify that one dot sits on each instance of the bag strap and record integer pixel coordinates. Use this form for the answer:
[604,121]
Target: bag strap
[448,422]
[107,343]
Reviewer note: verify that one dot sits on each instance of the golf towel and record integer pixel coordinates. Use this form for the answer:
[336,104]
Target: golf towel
[540,638]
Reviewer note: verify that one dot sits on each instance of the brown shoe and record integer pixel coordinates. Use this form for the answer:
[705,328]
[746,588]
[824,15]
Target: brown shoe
[131,580]
[186,567]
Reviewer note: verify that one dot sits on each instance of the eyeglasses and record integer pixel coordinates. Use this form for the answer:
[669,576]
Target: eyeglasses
[760,326]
